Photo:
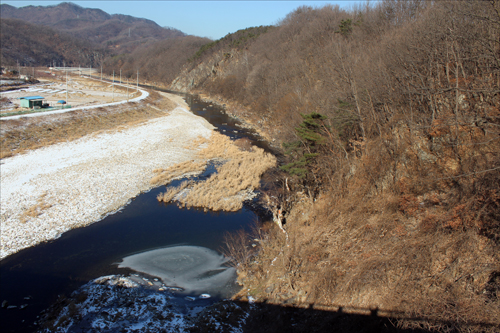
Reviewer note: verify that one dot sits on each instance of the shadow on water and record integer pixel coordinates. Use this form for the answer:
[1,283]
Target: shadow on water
[271,318]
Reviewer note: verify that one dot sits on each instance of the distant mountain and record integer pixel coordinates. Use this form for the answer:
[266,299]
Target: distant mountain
[49,15]
[118,33]
[35,45]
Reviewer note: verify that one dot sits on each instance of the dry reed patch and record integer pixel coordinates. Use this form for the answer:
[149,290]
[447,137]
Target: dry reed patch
[219,147]
[5,153]
[234,182]
[173,191]
[180,170]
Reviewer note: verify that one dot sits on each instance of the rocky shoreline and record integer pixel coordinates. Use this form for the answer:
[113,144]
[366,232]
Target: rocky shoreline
[137,306]
[241,114]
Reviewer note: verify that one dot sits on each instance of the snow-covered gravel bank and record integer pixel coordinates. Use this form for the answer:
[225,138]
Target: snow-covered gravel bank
[117,303]
[85,179]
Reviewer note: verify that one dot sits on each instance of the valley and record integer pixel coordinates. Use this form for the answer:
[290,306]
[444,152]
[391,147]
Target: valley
[382,200]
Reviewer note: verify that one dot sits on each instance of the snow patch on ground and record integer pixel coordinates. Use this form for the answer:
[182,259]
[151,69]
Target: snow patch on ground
[116,303]
[81,181]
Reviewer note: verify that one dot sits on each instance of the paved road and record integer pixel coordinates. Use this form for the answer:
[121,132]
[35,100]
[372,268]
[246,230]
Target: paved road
[144,94]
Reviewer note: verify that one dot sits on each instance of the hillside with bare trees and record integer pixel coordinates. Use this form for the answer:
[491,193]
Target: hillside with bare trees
[34,45]
[116,33]
[389,117]
[160,62]
[387,199]
[77,36]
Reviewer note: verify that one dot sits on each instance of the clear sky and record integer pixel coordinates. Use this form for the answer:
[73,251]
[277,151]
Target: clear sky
[212,19]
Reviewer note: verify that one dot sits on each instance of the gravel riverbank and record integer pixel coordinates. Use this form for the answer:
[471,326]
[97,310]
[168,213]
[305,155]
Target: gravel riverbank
[61,187]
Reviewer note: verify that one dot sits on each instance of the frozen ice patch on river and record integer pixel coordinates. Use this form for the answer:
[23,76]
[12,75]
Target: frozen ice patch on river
[193,268]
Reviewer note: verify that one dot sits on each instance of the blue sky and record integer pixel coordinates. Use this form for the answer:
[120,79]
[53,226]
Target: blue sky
[212,19]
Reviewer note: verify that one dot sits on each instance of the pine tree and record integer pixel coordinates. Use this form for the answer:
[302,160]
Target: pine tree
[304,151]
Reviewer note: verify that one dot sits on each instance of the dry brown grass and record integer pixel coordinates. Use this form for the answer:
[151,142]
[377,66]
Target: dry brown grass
[373,256]
[179,170]
[35,210]
[235,180]
[403,235]
[173,191]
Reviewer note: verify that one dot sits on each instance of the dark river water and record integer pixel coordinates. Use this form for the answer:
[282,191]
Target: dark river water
[36,276]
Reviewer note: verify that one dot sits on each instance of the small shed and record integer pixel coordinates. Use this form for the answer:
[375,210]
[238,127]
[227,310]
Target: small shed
[31,101]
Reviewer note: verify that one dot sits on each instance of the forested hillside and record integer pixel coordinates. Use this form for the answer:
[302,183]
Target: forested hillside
[35,45]
[390,196]
[77,36]
[160,62]
[117,33]
[388,199]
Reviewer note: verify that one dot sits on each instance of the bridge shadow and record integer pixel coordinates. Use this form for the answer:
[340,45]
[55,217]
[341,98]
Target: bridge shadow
[272,318]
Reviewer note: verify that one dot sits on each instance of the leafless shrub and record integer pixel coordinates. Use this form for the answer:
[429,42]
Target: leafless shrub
[237,248]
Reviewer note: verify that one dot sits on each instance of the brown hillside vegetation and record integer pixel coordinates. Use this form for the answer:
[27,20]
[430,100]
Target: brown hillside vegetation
[35,45]
[43,35]
[159,62]
[117,33]
[390,198]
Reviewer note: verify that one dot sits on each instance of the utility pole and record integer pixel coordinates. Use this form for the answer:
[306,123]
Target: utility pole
[137,80]
[66,85]
[113,85]
[127,89]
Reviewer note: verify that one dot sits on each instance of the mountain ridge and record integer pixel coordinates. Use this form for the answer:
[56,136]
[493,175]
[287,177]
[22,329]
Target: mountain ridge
[116,32]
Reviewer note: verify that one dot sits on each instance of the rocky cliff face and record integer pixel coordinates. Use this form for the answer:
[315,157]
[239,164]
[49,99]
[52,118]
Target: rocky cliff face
[218,65]
[191,77]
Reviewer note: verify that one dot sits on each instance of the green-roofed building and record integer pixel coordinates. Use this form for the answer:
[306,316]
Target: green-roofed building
[31,101]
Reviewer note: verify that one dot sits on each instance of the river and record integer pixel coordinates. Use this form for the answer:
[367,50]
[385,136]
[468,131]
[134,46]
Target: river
[32,279]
